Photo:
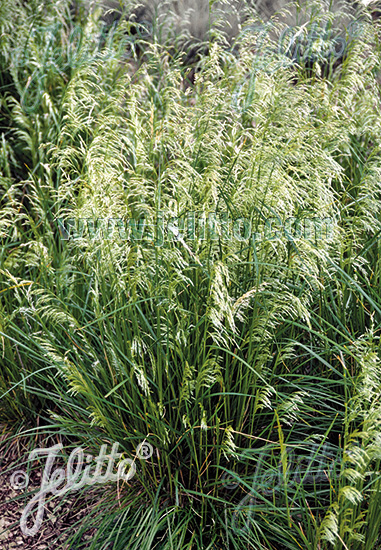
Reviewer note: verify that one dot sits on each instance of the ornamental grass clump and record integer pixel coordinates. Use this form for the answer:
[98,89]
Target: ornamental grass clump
[229,314]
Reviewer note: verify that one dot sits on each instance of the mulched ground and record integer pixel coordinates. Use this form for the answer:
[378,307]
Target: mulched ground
[63,515]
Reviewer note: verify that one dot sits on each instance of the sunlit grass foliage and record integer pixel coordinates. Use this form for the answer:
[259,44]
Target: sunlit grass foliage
[257,358]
